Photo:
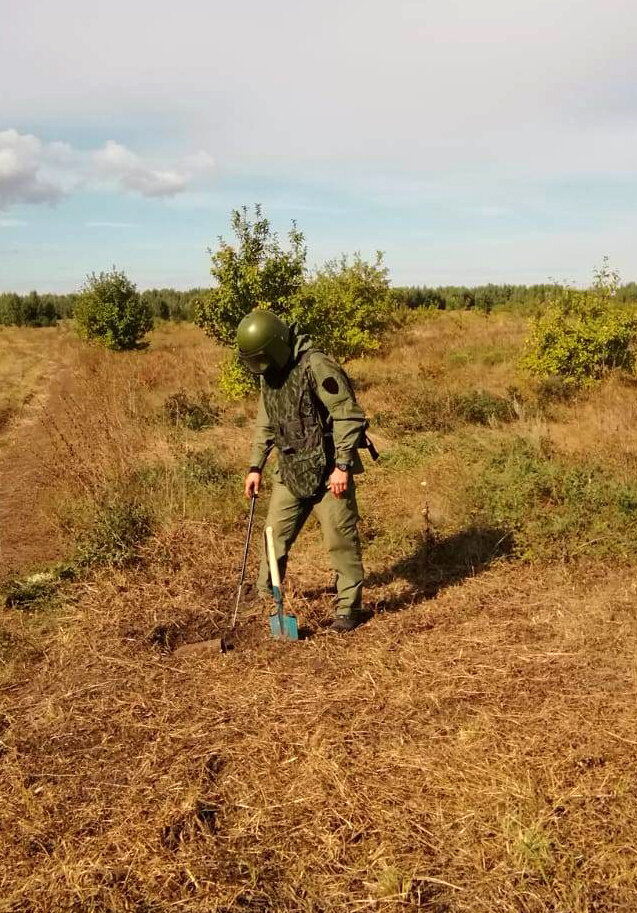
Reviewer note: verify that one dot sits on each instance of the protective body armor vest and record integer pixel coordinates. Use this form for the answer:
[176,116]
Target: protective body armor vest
[301,429]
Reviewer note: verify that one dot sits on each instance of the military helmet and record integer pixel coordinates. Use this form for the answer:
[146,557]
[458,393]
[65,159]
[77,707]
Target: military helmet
[264,341]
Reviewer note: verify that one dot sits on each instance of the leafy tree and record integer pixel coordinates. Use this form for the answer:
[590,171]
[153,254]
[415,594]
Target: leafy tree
[109,310]
[344,306]
[582,334]
[257,272]
[31,309]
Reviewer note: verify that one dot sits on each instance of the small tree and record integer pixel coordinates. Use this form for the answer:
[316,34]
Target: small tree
[258,272]
[580,335]
[109,310]
[344,307]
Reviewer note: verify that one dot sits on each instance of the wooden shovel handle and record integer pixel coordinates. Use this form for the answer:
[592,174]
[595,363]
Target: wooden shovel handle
[275,577]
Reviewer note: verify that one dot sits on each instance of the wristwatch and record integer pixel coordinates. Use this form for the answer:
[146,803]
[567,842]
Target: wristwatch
[344,467]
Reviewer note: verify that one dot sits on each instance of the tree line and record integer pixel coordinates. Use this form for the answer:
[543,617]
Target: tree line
[520,298]
[44,310]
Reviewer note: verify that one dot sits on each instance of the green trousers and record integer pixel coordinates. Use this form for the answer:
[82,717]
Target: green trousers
[338,518]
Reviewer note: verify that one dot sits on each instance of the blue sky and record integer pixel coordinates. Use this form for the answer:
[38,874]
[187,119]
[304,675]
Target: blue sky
[471,140]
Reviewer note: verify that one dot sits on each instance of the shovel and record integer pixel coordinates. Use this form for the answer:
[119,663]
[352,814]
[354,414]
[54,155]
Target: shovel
[226,640]
[281,625]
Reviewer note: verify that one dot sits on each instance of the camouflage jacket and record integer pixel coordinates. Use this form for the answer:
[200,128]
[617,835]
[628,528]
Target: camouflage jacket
[311,416]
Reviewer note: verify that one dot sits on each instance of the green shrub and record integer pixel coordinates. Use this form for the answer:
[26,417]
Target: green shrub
[257,272]
[554,508]
[555,389]
[110,311]
[235,380]
[119,528]
[581,335]
[479,407]
[194,414]
[345,306]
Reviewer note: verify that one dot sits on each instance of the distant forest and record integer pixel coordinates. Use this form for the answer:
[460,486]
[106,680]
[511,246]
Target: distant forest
[42,310]
[35,310]
[520,298]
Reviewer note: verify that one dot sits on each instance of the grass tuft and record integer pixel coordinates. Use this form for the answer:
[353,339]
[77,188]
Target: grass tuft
[432,410]
[30,592]
[194,413]
[119,529]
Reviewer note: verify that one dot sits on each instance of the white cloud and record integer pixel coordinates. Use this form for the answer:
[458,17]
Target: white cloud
[32,171]
[115,159]
[131,173]
[21,179]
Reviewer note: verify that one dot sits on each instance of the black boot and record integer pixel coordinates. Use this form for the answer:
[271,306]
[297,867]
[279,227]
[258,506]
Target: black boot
[344,623]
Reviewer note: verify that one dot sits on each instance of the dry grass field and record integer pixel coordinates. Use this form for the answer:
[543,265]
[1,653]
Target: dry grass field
[471,747]
[29,359]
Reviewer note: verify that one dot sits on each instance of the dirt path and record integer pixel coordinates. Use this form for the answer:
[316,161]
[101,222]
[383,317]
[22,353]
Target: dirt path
[28,536]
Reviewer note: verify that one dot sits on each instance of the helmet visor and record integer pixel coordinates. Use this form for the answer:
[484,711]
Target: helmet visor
[258,363]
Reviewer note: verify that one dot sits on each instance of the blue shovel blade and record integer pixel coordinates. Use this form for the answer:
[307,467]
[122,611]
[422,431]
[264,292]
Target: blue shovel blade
[285,626]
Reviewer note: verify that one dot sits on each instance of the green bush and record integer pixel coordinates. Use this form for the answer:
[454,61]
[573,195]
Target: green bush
[581,335]
[119,528]
[479,407]
[109,310]
[555,389]
[257,272]
[235,380]
[554,508]
[344,306]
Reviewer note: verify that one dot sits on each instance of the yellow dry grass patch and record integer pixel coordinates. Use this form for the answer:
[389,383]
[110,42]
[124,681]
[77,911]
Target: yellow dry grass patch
[470,748]
[603,425]
[29,359]
[456,351]
[97,416]
[472,752]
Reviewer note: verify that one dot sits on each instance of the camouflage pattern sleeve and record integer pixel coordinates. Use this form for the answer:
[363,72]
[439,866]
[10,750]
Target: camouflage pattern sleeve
[263,440]
[335,392]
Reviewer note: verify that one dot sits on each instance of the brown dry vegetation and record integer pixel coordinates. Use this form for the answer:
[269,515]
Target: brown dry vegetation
[471,747]
[29,359]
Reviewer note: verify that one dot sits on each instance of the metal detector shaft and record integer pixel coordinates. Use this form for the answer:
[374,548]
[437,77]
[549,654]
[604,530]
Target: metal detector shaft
[245,561]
